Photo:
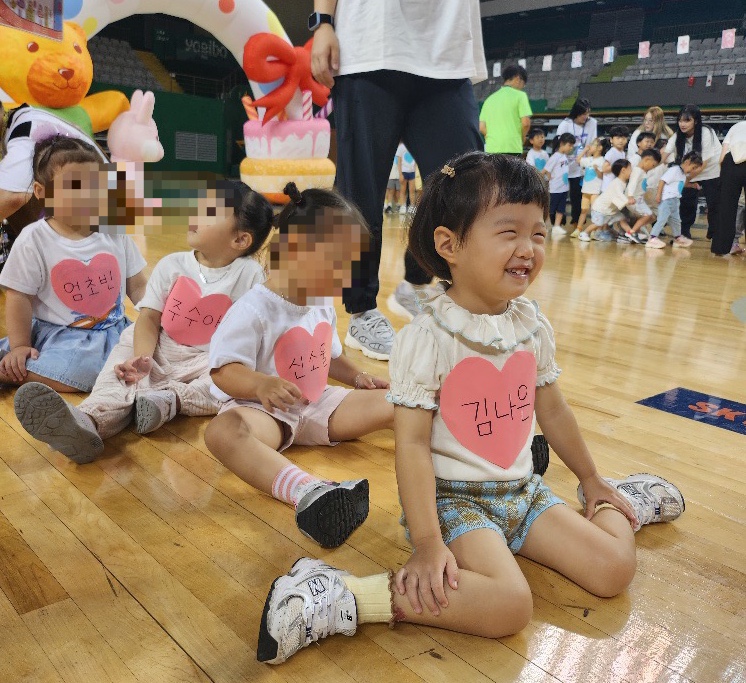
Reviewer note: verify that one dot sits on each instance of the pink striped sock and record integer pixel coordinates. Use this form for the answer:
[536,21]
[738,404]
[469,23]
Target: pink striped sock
[287,482]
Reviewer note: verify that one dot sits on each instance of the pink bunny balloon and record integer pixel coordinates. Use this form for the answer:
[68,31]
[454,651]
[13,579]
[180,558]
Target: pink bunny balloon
[133,136]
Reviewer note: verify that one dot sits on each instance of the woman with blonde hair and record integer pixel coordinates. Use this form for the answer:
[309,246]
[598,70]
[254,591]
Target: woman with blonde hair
[652,122]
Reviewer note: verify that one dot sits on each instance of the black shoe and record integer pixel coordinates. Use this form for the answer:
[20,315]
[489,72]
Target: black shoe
[540,454]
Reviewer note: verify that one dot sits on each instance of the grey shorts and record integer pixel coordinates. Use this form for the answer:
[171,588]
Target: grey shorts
[306,426]
[392,185]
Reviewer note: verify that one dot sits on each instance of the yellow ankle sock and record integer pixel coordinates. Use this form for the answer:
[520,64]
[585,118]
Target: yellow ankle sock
[373,597]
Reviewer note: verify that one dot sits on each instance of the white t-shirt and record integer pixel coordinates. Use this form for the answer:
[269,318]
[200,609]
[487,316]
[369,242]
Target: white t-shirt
[268,334]
[711,149]
[637,183]
[611,156]
[193,299]
[650,185]
[584,135]
[75,283]
[736,133]
[537,159]
[633,159]
[478,374]
[407,160]
[557,168]
[433,38]
[674,178]
[612,199]
[591,179]
[29,126]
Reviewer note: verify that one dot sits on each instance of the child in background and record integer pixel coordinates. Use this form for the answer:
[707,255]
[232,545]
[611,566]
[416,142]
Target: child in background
[537,156]
[638,183]
[65,282]
[393,187]
[407,174]
[645,141]
[470,378]
[263,358]
[618,136]
[670,187]
[654,177]
[160,367]
[559,185]
[592,163]
[607,209]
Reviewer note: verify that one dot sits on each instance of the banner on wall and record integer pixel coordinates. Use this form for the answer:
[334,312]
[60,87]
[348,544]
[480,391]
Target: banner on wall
[576,61]
[497,70]
[728,40]
[546,64]
[40,17]
[522,62]
[643,49]
[731,79]
[682,45]
[609,54]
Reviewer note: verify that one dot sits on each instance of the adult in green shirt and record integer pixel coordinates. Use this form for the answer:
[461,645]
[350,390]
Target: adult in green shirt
[506,114]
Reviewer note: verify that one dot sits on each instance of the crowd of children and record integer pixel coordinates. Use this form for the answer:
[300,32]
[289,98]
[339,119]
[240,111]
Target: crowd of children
[628,184]
[219,334]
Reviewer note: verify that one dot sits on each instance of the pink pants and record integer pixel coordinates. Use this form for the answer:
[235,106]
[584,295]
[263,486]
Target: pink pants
[182,369]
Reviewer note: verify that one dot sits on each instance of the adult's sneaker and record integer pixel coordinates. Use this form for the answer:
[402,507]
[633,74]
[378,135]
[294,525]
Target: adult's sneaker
[558,230]
[403,301]
[655,243]
[372,334]
[45,415]
[682,242]
[309,603]
[328,512]
[652,498]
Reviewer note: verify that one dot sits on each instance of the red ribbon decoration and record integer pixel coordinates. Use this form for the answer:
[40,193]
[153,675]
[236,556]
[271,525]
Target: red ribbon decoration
[293,64]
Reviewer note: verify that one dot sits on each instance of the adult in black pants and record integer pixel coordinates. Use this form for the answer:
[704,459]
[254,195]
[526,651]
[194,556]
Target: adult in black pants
[732,183]
[403,78]
[692,135]
[584,127]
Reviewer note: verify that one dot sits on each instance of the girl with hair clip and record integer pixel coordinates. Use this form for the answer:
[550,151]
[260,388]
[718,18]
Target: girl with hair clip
[653,121]
[470,378]
[160,367]
[694,136]
[65,282]
[270,360]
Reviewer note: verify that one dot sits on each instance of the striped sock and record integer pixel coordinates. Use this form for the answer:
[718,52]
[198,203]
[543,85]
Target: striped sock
[287,482]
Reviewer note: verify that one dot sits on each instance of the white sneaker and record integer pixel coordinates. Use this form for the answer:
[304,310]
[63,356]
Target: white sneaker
[402,209]
[403,301]
[558,230]
[153,409]
[372,334]
[309,603]
[329,512]
[653,498]
[584,237]
[45,415]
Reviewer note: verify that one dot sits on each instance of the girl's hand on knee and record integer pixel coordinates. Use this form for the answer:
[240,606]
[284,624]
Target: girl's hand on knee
[597,491]
[134,369]
[421,578]
[13,363]
[275,392]
[365,381]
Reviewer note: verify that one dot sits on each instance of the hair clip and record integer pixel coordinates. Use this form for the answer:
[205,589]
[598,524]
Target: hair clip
[291,190]
[449,171]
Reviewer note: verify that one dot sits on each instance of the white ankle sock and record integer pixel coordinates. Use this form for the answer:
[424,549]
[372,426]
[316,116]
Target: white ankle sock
[373,597]
[287,482]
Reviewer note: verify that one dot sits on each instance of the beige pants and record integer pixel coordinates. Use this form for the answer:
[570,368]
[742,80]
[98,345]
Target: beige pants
[182,369]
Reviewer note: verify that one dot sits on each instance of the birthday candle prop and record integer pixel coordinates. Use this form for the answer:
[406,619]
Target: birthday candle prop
[248,105]
[307,105]
[327,109]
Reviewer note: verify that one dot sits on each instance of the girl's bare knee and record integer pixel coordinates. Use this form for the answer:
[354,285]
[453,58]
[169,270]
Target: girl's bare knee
[614,573]
[509,612]
[226,426]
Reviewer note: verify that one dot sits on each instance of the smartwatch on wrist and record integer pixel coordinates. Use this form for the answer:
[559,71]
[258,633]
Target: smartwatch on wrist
[317,18]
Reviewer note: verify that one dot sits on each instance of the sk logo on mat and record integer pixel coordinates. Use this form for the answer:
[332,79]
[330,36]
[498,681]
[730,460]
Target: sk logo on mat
[713,410]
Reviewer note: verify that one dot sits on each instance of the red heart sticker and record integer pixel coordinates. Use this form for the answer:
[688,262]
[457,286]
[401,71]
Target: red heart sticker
[91,289]
[490,411]
[304,359]
[190,318]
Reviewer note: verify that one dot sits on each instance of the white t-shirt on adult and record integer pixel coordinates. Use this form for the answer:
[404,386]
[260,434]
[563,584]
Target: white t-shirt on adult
[29,126]
[591,179]
[557,169]
[75,283]
[736,133]
[612,199]
[192,298]
[262,330]
[433,38]
[407,160]
[675,179]
[711,149]
[537,159]
[584,135]
[611,156]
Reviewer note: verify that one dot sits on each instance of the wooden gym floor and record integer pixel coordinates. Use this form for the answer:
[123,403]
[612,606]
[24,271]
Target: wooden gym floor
[153,563]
